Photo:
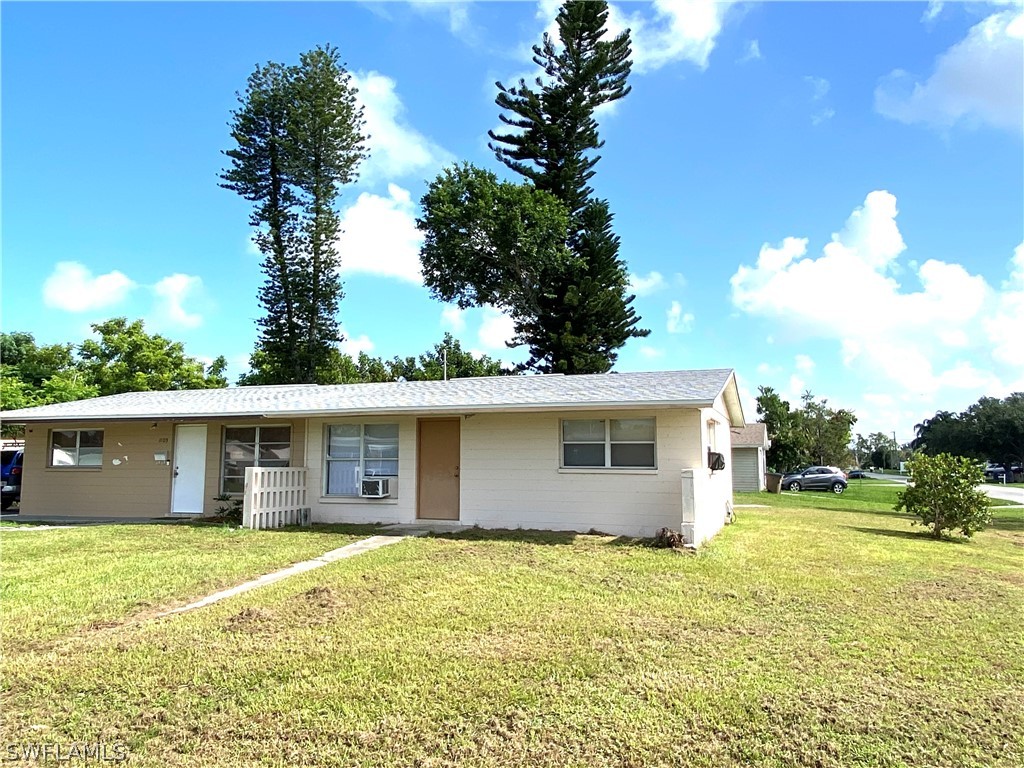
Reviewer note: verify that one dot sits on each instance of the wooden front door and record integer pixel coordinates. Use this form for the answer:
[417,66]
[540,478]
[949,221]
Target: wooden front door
[438,471]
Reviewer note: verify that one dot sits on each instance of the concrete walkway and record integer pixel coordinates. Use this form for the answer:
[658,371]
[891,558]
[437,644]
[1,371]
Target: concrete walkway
[350,550]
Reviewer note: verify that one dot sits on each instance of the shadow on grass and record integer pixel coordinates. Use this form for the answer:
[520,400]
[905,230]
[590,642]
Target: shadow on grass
[533,536]
[919,535]
[518,535]
[1007,521]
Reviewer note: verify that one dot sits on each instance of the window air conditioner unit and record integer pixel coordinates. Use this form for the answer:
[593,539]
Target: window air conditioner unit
[375,487]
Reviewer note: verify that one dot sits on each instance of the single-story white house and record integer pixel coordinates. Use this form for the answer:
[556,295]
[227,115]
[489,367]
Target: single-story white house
[623,453]
[750,446]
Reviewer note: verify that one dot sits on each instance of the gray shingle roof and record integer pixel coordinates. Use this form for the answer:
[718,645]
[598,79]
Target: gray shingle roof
[750,434]
[499,393]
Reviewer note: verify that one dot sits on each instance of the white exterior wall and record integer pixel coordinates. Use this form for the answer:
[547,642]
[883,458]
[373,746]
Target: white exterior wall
[714,500]
[399,507]
[510,476]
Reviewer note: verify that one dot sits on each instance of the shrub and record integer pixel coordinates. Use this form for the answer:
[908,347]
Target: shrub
[945,495]
[230,508]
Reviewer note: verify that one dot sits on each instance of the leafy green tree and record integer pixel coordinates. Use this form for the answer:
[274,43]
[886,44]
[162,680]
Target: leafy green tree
[785,451]
[583,312]
[812,434]
[825,432]
[945,495]
[491,243]
[992,429]
[461,364]
[298,132]
[127,359]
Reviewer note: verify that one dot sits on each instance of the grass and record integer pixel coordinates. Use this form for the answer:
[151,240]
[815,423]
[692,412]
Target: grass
[57,582]
[801,636]
[868,495]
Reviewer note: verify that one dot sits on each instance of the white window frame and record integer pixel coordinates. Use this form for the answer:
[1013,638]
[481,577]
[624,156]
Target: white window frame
[362,453]
[256,456]
[608,442]
[78,449]
[713,435]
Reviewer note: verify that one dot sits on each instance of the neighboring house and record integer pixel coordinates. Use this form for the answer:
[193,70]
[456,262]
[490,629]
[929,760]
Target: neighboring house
[623,453]
[749,450]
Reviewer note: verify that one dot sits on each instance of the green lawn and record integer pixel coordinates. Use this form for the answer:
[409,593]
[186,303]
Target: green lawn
[801,636]
[871,495]
[56,582]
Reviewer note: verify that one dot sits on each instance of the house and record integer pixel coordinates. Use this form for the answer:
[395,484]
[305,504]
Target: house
[623,453]
[749,450]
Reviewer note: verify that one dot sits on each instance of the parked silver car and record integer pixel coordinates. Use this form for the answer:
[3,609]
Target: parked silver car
[815,479]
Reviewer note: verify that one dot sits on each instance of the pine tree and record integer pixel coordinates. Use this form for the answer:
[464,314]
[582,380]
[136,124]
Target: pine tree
[299,136]
[585,313]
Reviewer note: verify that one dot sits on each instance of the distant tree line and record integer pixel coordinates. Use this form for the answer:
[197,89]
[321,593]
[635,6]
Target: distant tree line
[122,358]
[990,430]
[809,434]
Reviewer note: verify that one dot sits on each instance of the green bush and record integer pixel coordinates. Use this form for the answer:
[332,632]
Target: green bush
[230,508]
[945,495]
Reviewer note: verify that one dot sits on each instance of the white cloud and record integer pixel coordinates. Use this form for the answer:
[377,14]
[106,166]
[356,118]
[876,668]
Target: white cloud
[663,33]
[1006,317]
[73,288]
[651,353]
[804,364]
[453,318]
[643,285]
[457,14]
[823,116]
[677,321]
[396,148]
[753,53]
[352,346]
[678,30]
[819,86]
[171,293]
[379,236]
[496,328]
[819,90]
[979,79]
[949,334]
[933,10]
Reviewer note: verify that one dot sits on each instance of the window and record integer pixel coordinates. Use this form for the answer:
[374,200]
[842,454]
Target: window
[610,443]
[355,451]
[712,435]
[76,448]
[253,447]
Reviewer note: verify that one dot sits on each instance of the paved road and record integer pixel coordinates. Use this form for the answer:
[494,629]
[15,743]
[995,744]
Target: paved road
[1013,493]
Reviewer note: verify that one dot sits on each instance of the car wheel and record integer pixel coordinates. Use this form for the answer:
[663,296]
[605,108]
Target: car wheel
[794,486]
[838,488]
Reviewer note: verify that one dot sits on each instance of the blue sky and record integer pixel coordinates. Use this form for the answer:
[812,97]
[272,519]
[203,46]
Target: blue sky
[824,196]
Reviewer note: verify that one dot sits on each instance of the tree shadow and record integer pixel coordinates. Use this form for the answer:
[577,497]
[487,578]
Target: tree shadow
[517,535]
[920,535]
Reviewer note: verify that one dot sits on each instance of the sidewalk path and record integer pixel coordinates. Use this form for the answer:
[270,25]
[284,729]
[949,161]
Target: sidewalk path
[350,550]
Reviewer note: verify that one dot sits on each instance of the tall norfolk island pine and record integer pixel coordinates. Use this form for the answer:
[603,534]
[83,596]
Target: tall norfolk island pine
[299,136]
[585,314]
[543,251]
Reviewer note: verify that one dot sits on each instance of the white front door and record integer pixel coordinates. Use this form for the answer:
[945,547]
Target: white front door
[189,480]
